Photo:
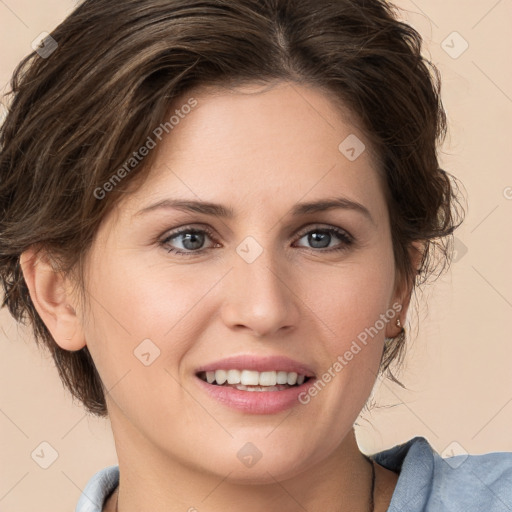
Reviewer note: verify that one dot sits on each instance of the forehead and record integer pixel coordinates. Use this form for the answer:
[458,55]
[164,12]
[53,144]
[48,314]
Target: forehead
[267,143]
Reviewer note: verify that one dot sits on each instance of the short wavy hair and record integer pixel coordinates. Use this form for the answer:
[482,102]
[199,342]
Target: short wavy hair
[78,114]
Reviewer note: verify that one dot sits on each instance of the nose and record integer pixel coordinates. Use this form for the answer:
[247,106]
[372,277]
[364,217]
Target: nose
[261,296]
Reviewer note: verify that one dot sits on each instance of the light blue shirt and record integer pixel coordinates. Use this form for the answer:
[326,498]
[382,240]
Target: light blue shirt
[426,482]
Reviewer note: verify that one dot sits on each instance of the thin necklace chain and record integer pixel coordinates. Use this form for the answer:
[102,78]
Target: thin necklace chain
[371,507]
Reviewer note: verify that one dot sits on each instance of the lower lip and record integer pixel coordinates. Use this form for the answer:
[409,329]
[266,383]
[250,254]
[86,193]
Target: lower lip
[256,402]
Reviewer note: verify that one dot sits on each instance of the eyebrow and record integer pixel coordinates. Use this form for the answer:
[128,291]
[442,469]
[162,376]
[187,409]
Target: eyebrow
[218,210]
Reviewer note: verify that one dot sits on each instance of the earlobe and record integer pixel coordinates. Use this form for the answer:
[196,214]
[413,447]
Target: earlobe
[395,326]
[399,305]
[404,292]
[48,290]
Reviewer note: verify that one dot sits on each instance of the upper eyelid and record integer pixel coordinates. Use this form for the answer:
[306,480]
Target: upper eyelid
[300,232]
[320,227]
[185,229]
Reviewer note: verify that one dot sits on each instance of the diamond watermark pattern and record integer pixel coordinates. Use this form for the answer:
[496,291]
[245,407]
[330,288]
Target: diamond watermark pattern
[44,45]
[459,250]
[44,455]
[249,249]
[147,352]
[454,45]
[3,113]
[352,147]
[249,455]
[454,455]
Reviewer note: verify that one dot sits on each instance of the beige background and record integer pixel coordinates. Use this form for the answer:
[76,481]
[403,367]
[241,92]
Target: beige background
[458,368]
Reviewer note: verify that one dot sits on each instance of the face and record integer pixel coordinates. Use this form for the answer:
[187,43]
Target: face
[175,289]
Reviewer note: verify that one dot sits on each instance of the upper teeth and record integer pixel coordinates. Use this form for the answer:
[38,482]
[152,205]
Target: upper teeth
[253,378]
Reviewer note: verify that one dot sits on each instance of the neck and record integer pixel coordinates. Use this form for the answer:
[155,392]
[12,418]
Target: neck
[151,481]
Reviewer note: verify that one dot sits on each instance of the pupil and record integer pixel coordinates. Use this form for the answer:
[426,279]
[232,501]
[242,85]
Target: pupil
[318,239]
[195,239]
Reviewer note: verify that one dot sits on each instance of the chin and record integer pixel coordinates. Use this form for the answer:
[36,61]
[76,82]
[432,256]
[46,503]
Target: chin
[249,465]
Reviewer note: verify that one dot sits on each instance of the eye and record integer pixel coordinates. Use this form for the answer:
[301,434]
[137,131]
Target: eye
[190,239]
[321,238]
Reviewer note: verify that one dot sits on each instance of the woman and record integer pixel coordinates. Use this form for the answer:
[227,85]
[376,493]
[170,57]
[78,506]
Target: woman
[215,214]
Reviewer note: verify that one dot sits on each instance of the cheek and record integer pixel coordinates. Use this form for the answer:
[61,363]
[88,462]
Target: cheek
[142,296]
[138,330]
[133,299]
[349,300]
[350,297]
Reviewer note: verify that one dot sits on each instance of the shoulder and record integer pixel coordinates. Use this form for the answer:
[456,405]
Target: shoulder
[97,490]
[429,482]
[474,482]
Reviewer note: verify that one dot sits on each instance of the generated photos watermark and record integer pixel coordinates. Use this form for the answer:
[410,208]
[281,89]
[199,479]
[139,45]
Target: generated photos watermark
[150,144]
[356,346]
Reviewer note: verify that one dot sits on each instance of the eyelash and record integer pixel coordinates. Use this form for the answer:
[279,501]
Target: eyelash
[341,234]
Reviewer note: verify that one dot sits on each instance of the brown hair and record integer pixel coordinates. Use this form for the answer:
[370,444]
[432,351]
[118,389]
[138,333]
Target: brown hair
[80,113]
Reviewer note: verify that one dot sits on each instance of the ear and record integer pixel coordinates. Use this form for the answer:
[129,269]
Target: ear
[50,292]
[403,290]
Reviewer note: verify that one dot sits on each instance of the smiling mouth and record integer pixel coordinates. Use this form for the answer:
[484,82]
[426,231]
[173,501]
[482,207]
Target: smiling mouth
[250,380]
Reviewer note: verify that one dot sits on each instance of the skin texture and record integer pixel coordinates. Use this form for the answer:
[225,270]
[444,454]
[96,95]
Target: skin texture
[258,151]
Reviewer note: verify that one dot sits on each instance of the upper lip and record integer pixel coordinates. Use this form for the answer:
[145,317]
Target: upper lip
[259,364]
